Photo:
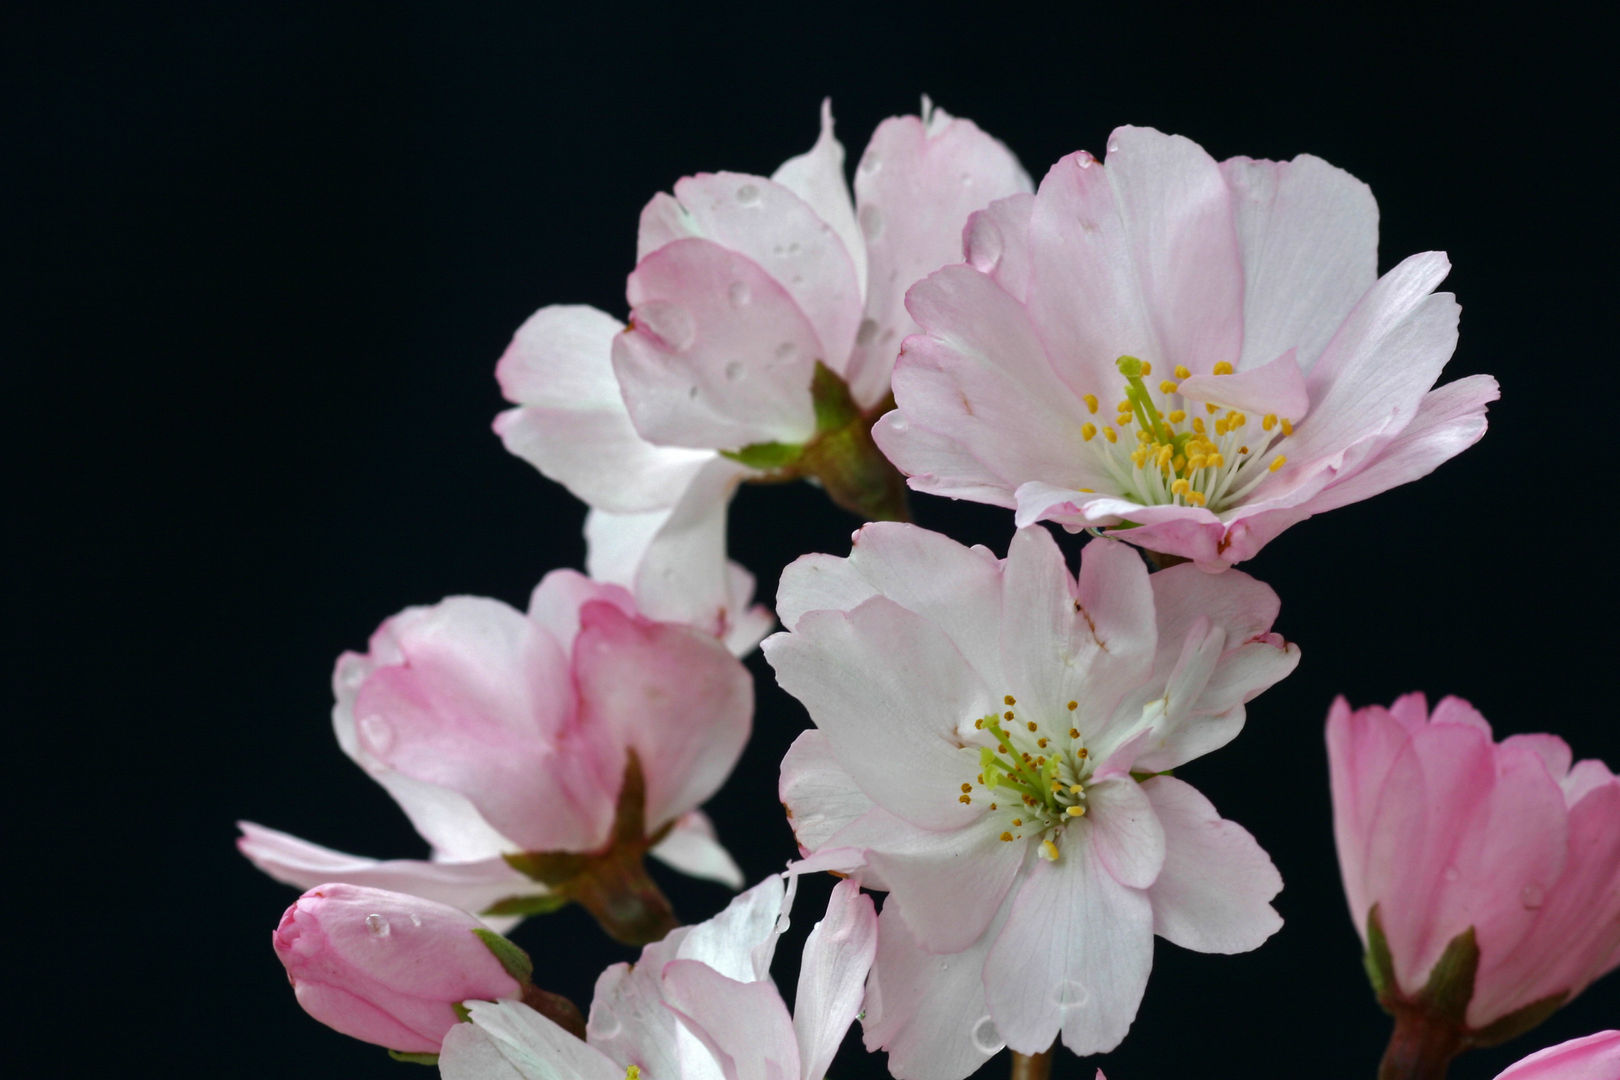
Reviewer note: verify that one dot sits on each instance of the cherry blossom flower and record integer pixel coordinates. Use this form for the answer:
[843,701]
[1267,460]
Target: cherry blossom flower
[1463,854]
[1595,1057]
[698,1005]
[539,754]
[765,316]
[388,968]
[1193,354]
[992,738]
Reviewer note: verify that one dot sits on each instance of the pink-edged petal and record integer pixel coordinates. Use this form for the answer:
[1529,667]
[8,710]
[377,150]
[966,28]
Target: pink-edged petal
[1124,831]
[1594,1057]
[1308,233]
[672,694]
[996,242]
[1362,744]
[936,463]
[1274,387]
[892,725]
[718,354]
[693,848]
[917,182]
[744,1025]
[1243,606]
[832,977]
[1214,891]
[1116,604]
[555,602]
[956,588]
[817,177]
[560,358]
[471,886]
[1047,643]
[507,1039]
[927,1010]
[948,886]
[975,373]
[1449,420]
[1585,777]
[1074,955]
[820,796]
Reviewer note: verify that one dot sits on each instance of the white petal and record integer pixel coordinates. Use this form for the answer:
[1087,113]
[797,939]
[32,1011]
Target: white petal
[832,977]
[817,177]
[509,1039]
[692,848]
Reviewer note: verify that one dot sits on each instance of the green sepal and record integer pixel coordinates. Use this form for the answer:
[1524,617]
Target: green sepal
[513,959]
[463,1013]
[1518,1021]
[1379,963]
[414,1059]
[527,904]
[766,456]
[547,867]
[1139,776]
[1451,981]
[835,408]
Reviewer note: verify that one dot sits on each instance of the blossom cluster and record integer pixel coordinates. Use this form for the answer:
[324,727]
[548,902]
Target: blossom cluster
[1178,356]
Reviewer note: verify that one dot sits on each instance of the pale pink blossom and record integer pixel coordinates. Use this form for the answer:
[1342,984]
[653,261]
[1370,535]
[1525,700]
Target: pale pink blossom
[1594,1057]
[388,968]
[1193,354]
[501,732]
[699,1005]
[988,734]
[1443,830]
[743,285]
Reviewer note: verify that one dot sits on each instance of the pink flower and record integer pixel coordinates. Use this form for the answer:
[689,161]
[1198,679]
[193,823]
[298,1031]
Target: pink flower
[699,1004]
[1595,1057]
[1195,354]
[988,738]
[1444,831]
[743,285]
[388,968]
[505,736]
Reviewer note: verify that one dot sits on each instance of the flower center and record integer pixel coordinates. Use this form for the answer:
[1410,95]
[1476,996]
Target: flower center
[1032,776]
[1160,450]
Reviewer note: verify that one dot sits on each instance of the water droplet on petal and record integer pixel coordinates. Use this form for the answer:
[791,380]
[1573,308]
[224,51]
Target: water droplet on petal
[944,965]
[376,925]
[668,322]
[748,195]
[986,1037]
[608,1028]
[353,675]
[734,369]
[785,352]
[986,247]
[376,733]
[1113,146]
[1085,160]
[967,179]
[871,219]
[1070,994]
[868,330]
[739,294]
[1451,873]
[870,163]
[416,920]
[1531,896]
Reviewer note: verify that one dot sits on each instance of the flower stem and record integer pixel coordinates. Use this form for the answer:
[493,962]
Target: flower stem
[624,900]
[1032,1066]
[1419,1047]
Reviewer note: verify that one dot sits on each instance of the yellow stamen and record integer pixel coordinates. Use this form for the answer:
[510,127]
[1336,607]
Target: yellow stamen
[1179,487]
[1088,431]
[1050,849]
[1073,705]
[1091,402]
[1288,427]
[1006,836]
[1168,386]
[1177,416]
[969,787]
[1147,369]
[1278,462]
[1195,498]
[1108,433]
[1009,700]
[964,799]
[1224,368]
[1182,372]
[1076,811]
[1269,421]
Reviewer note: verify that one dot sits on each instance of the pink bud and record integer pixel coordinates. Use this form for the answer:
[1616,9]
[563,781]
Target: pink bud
[385,967]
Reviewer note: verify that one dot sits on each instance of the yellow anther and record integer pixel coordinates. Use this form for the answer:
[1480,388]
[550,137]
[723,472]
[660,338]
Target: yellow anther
[1040,761]
[1076,811]
[992,806]
[1108,433]
[1009,700]
[1215,461]
[1050,849]
[1288,426]
[1073,705]
[1179,487]
[1198,424]
[1007,715]
[1179,463]
[1006,836]
[1075,789]
[1196,462]
[1182,372]
[1074,733]
[1124,406]
[1235,419]
[1177,416]
[1278,462]
[1224,368]
[1082,752]
[964,799]
[1139,456]
[633,1073]
[1017,821]
[1269,421]
[1168,386]
[1195,498]
[1091,402]
[1031,725]
[979,723]
[1222,427]
[1087,491]
[1144,436]
[1165,454]
[1088,431]
[1147,369]
[967,788]
[1041,742]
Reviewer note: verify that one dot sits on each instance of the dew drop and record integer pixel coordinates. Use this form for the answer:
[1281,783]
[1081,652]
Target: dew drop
[867,331]
[1531,896]
[609,1027]
[353,675]
[1113,146]
[1070,994]
[668,322]
[1451,873]
[734,370]
[871,219]
[416,920]
[785,352]
[739,294]
[944,965]
[871,163]
[1085,160]
[376,925]
[986,246]
[986,1037]
[748,195]
[967,179]
[377,733]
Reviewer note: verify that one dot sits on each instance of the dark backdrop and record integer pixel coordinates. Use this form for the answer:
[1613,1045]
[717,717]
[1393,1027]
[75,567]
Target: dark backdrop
[269,254]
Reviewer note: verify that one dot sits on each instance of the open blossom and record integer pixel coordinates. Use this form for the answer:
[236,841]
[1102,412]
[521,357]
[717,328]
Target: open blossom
[1197,353]
[699,1005]
[1443,830]
[743,286]
[987,737]
[579,729]
[388,968]
[1595,1057]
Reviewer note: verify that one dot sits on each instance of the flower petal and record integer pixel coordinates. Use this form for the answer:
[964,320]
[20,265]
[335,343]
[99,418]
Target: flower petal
[817,177]
[509,1039]
[820,796]
[948,886]
[1124,831]
[744,1025]
[996,242]
[692,848]
[832,977]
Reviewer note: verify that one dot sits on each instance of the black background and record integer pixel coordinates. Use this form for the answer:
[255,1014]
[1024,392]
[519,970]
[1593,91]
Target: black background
[269,254]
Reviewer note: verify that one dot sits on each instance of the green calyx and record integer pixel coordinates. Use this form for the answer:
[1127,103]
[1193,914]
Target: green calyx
[414,1059]
[513,959]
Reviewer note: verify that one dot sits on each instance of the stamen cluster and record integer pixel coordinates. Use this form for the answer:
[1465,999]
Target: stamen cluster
[1038,776]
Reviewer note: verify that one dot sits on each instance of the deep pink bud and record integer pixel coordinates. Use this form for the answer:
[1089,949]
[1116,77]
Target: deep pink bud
[388,968]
